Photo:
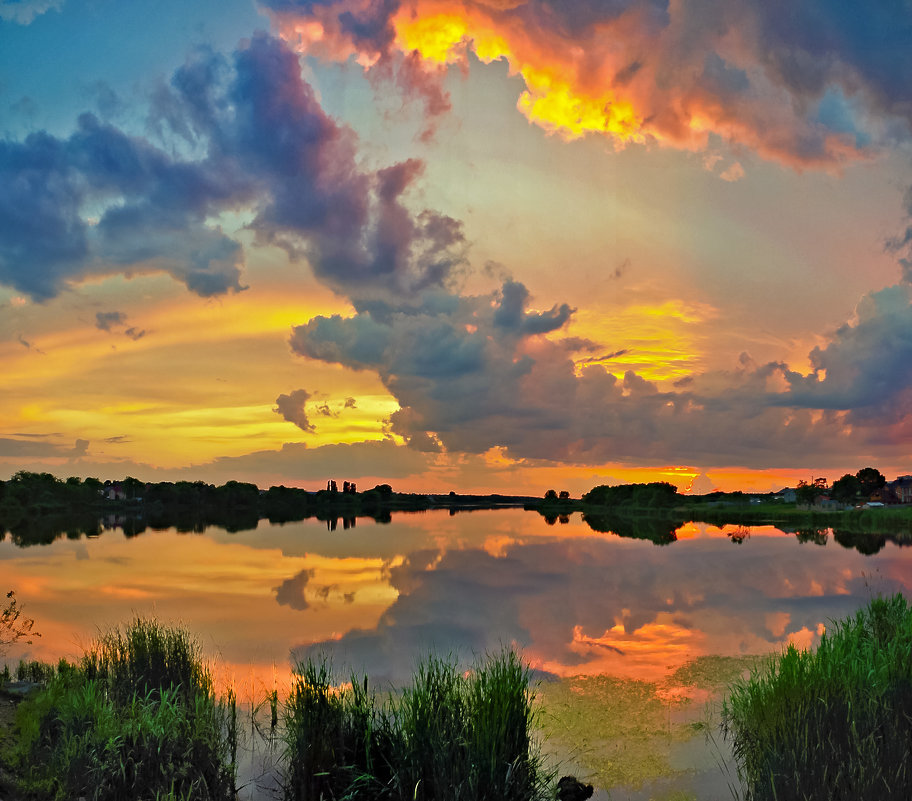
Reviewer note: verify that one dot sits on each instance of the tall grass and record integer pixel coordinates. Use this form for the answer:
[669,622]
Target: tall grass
[145,657]
[322,748]
[136,719]
[831,724]
[446,737]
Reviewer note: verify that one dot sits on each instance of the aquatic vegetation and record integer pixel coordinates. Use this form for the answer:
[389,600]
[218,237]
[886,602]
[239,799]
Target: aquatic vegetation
[447,736]
[136,719]
[835,723]
[632,732]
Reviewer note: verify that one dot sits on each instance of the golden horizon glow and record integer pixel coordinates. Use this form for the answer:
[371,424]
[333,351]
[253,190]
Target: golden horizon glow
[199,373]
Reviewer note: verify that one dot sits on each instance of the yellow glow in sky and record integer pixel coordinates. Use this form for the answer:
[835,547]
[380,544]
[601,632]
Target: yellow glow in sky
[550,100]
[200,383]
[659,342]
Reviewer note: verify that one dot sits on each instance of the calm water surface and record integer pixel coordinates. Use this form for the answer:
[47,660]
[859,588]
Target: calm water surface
[578,603]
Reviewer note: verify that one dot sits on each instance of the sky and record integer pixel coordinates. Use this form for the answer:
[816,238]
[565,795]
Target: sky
[481,245]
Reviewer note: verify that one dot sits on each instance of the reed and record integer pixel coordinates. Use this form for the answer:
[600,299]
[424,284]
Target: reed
[501,751]
[830,724]
[136,719]
[448,736]
[145,657]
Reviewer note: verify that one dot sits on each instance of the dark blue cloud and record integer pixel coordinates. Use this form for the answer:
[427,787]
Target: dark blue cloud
[43,239]
[152,212]
[511,314]
[866,369]
[813,44]
[250,134]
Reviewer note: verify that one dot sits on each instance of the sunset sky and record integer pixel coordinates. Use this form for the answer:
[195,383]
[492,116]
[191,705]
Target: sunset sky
[482,245]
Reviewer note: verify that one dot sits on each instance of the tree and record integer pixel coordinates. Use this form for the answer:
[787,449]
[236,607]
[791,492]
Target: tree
[845,489]
[13,625]
[869,479]
[806,493]
[131,486]
[550,495]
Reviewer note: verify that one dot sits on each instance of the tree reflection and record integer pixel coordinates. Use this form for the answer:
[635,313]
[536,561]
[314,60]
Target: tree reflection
[661,531]
[865,543]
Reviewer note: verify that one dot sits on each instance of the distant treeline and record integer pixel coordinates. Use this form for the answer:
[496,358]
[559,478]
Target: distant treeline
[38,508]
[655,511]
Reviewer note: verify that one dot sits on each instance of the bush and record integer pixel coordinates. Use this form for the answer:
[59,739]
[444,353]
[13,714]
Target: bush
[835,723]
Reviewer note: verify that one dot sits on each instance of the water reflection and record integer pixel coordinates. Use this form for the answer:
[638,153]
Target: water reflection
[588,597]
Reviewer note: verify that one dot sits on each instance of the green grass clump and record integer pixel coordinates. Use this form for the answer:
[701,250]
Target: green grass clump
[146,657]
[831,724]
[447,736]
[136,719]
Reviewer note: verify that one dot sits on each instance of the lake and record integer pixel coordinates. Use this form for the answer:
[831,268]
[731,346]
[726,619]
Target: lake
[631,639]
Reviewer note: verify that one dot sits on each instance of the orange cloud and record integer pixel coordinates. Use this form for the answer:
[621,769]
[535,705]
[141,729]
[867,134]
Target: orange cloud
[631,75]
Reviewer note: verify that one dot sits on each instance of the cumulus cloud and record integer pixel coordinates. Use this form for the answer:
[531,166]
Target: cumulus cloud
[291,407]
[154,219]
[365,30]
[474,373]
[865,368]
[701,485]
[102,201]
[812,87]
[456,364]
